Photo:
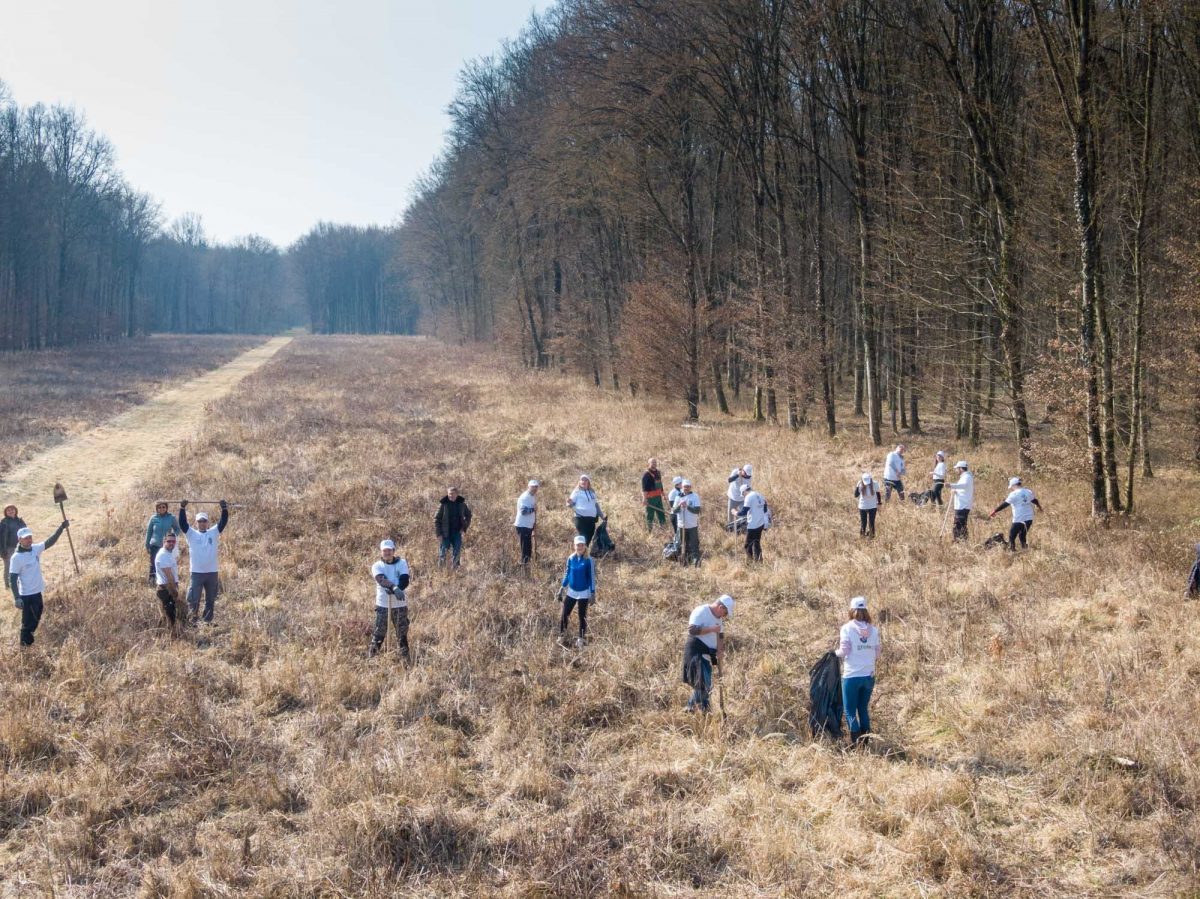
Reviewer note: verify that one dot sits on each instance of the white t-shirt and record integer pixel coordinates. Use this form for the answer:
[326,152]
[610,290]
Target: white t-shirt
[202,548]
[689,511]
[868,498]
[526,510]
[28,568]
[673,497]
[1021,501]
[939,471]
[166,560]
[864,649]
[964,492]
[392,571]
[756,510]
[893,467]
[702,616]
[735,486]
[584,502]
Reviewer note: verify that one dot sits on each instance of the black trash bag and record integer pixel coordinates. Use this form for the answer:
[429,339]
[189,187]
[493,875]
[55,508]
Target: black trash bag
[602,544]
[825,696]
[671,551]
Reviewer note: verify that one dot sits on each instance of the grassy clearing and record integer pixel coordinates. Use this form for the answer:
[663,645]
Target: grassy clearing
[270,757]
[51,395]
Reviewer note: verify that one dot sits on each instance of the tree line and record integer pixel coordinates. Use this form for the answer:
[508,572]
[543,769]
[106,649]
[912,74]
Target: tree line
[839,208]
[85,256]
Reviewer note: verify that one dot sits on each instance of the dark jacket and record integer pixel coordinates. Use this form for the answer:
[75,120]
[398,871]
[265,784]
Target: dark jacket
[652,486]
[8,533]
[453,517]
[694,652]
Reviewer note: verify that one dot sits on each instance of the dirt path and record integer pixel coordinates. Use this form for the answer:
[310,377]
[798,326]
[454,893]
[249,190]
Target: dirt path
[111,458]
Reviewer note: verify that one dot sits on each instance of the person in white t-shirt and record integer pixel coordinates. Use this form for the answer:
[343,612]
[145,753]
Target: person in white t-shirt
[894,470]
[166,580]
[705,645]
[867,494]
[859,647]
[1022,501]
[526,520]
[672,498]
[26,581]
[738,478]
[587,508]
[939,476]
[391,580]
[687,509]
[754,506]
[964,499]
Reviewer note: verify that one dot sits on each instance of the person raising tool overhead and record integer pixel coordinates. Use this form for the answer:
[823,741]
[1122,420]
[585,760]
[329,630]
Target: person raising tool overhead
[204,543]
[26,581]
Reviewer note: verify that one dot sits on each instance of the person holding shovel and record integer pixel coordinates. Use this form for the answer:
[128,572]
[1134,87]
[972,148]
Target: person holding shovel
[672,498]
[26,581]
[578,589]
[652,496]
[9,525]
[963,499]
[391,580]
[859,648]
[166,579]
[704,647]
[203,545]
[687,510]
[161,523]
[587,508]
[526,520]
[738,478]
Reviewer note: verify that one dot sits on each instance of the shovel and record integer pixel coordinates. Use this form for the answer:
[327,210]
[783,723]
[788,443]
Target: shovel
[60,497]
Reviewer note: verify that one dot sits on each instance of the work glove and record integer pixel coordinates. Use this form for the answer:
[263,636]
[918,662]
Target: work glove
[224,505]
[18,602]
[183,504]
[559,594]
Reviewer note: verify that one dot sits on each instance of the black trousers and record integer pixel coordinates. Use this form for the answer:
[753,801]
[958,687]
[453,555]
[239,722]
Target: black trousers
[754,544]
[960,523]
[525,535]
[586,525]
[31,616]
[937,492]
[568,605]
[399,624]
[153,551]
[1019,530]
[168,604]
[866,522]
[690,552]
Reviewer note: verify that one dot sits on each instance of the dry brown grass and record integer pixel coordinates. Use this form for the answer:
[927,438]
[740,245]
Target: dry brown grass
[52,395]
[270,757]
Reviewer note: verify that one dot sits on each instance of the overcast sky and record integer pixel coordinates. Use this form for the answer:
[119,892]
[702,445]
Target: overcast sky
[263,116]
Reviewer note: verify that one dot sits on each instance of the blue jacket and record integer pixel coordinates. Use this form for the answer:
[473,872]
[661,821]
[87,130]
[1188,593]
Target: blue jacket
[580,575]
[158,527]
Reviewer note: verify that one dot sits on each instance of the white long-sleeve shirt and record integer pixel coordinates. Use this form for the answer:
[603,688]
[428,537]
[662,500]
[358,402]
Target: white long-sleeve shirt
[584,502]
[526,510]
[939,471]
[859,646]
[893,467]
[964,492]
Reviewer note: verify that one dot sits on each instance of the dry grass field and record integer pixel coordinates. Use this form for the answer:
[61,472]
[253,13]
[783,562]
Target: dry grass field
[269,757]
[52,395]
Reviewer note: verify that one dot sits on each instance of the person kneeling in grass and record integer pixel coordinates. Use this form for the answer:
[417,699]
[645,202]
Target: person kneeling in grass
[705,646]
[859,649]
[578,589]
[391,580]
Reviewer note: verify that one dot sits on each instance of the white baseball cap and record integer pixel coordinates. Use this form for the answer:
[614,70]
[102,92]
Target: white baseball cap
[859,602]
[961,463]
[203,516]
[387,544]
[1014,482]
[727,602]
[580,540]
[686,483]
[866,477]
[745,488]
[584,477]
[748,468]
[940,454]
[23,533]
[534,484]
[677,480]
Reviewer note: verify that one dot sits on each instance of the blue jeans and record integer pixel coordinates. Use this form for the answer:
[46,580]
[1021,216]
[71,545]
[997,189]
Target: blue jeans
[856,696]
[699,698]
[453,542]
[206,583]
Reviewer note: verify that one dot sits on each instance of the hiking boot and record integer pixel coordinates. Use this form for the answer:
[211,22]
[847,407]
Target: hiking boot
[855,739]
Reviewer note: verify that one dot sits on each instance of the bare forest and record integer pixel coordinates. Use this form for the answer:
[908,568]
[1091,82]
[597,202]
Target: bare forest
[841,210]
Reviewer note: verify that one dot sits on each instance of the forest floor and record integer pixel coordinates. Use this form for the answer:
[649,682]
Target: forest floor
[1034,713]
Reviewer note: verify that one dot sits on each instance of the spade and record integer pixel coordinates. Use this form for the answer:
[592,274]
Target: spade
[60,497]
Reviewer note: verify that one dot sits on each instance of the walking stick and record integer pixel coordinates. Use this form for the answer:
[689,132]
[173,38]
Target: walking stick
[946,517]
[60,497]
[721,691]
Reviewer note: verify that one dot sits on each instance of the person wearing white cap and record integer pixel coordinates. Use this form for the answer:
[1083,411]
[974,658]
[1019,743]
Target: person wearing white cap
[203,548]
[587,508]
[1022,501]
[26,581]
[894,470]
[526,520]
[687,509]
[738,478]
[577,590]
[705,645]
[867,495]
[672,498]
[939,477]
[754,506]
[391,580]
[964,499]
[859,648]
